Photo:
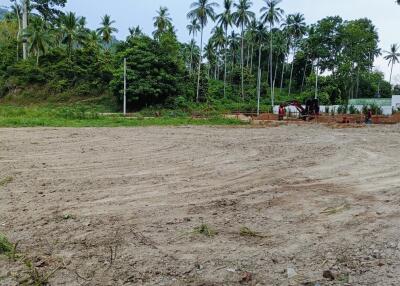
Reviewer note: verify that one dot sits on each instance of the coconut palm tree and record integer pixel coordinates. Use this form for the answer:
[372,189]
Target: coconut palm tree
[162,22]
[106,30]
[260,36]
[219,41]
[242,18]
[225,20]
[272,15]
[193,28]
[296,29]
[17,10]
[393,57]
[234,45]
[70,29]
[39,38]
[202,10]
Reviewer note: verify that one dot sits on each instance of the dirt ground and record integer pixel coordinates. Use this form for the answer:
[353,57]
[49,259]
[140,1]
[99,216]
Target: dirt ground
[124,206]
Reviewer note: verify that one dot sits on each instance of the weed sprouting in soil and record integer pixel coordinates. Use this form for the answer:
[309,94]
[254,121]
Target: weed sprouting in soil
[4,182]
[245,231]
[206,230]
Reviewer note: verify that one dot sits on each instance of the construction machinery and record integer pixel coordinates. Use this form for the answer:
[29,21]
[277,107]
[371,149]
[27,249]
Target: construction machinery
[309,111]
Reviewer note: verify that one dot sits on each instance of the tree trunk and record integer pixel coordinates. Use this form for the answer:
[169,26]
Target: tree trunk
[291,72]
[316,81]
[276,71]
[19,30]
[391,72]
[226,51]
[358,80]
[242,61]
[259,80]
[270,68]
[283,72]
[251,58]
[191,57]
[200,62]
[24,27]
[304,74]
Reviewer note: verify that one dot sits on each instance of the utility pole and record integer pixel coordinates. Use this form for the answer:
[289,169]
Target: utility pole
[124,86]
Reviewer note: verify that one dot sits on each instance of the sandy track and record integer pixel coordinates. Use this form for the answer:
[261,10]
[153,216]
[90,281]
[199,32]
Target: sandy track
[318,198]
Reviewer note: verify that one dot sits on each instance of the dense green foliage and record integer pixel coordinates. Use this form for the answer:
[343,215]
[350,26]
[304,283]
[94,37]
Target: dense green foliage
[331,59]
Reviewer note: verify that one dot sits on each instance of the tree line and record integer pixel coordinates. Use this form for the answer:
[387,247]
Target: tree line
[249,55]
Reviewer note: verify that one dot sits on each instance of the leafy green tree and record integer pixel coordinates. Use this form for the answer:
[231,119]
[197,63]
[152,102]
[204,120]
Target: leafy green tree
[225,20]
[202,10]
[106,30]
[155,71]
[242,18]
[393,58]
[272,15]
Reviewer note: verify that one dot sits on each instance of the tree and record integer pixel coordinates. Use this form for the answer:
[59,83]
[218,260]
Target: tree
[271,14]
[106,30]
[260,37]
[296,28]
[38,36]
[162,22]
[243,17]
[202,10]
[71,33]
[193,28]
[392,57]
[218,39]
[225,20]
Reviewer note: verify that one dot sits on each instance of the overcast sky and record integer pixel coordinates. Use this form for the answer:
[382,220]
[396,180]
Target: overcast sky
[385,14]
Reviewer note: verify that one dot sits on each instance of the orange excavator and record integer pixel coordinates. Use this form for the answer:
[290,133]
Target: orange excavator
[309,111]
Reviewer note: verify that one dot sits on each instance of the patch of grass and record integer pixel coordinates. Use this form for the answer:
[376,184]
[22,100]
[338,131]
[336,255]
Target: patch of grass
[245,231]
[6,246]
[39,278]
[81,116]
[4,182]
[206,230]
[334,210]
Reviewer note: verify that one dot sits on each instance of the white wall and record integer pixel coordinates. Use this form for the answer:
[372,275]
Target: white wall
[387,110]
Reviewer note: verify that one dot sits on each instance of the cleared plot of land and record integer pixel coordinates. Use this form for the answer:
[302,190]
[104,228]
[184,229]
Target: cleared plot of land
[202,205]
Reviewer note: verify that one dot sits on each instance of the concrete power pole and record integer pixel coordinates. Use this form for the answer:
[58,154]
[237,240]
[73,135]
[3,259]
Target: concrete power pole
[124,86]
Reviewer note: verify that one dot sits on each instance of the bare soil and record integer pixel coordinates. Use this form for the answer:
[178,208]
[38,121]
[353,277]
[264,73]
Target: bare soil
[124,206]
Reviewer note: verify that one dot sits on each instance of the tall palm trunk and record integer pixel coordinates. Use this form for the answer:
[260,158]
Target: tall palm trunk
[200,62]
[283,72]
[259,80]
[24,27]
[304,74]
[226,51]
[270,68]
[191,57]
[276,71]
[242,61]
[19,30]
[251,58]
[316,80]
[291,72]
[391,72]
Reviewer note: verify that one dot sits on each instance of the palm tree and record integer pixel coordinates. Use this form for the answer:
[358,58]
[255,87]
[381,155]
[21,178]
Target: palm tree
[70,29]
[271,14]
[39,37]
[17,8]
[242,18]
[193,28]
[106,30]
[162,22]
[260,37]
[202,10]
[134,32]
[296,29]
[393,57]
[219,41]
[234,45]
[225,20]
